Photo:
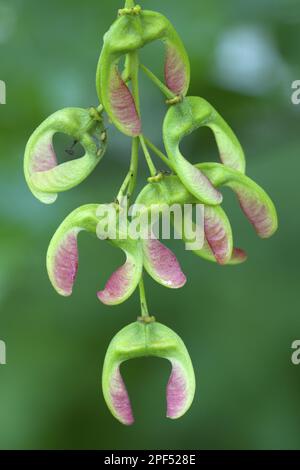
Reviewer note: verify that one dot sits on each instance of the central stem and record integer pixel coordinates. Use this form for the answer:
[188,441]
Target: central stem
[133,66]
[133,72]
[129,4]
[144,307]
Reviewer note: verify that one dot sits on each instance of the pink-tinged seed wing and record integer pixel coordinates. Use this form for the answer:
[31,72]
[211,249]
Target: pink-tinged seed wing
[176,71]
[66,264]
[165,343]
[257,211]
[40,157]
[218,233]
[254,201]
[62,255]
[162,265]
[121,284]
[177,391]
[44,157]
[119,399]
[123,109]
[238,256]
[128,343]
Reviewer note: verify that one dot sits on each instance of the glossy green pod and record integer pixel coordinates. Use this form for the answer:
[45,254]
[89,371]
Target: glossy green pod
[180,121]
[44,176]
[128,34]
[62,258]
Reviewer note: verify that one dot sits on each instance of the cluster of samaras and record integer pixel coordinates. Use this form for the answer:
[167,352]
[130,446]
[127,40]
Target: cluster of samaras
[188,183]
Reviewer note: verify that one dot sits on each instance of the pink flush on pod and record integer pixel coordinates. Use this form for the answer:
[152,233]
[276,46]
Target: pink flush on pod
[162,265]
[119,284]
[254,201]
[177,391]
[257,213]
[123,104]
[176,75]
[218,233]
[44,157]
[120,399]
[66,263]
[62,254]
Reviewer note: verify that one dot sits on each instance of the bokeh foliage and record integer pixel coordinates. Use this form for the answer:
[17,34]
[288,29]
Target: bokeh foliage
[238,323]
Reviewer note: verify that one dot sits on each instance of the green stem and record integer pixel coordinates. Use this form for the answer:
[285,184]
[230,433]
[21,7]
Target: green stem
[144,307]
[133,166]
[129,4]
[123,188]
[132,69]
[148,158]
[165,90]
[160,154]
[133,66]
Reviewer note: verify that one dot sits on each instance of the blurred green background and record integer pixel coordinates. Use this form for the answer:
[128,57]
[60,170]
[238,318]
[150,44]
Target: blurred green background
[238,323]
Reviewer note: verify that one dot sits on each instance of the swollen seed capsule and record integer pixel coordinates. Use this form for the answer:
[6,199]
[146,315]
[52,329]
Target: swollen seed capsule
[44,176]
[141,339]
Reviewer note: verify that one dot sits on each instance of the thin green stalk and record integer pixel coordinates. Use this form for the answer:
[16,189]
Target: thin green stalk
[159,153]
[144,307]
[132,67]
[123,191]
[133,166]
[133,59]
[165,90]
[148,158]
[129,4]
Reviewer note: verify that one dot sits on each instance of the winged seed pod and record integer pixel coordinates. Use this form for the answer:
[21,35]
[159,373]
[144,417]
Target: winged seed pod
[62,258]
[128,34]
[254,201]
[217,230]
[180,121]
[44,176]
[141,339]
